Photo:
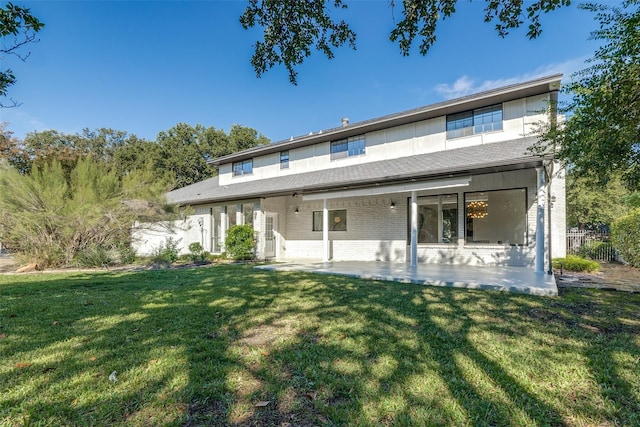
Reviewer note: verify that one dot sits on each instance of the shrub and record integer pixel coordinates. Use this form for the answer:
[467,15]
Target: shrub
[594,249]
[167,252]
[576,263]
[197,252]
[94,256]
[240,242]
[53,213]
[127,254]
[625,235]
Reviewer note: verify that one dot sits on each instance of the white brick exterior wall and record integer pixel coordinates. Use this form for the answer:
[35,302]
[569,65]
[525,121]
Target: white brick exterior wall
[376,232]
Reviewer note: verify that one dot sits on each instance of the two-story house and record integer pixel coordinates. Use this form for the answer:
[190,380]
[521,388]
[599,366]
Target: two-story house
[453,182]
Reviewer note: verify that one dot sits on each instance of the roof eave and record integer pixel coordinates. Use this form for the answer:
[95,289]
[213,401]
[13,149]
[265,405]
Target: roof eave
[490,167]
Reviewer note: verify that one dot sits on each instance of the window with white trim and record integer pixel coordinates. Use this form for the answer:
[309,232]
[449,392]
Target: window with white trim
[284,159]
[244,167]
[480,120]
[352,146]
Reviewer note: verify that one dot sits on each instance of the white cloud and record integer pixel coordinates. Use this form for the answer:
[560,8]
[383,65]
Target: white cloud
[466,85]
[21,122]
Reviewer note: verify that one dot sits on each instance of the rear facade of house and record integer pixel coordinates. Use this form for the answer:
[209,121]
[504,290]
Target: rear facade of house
[454,183]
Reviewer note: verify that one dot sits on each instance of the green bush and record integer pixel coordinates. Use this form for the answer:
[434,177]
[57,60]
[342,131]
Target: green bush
[594,249]
[197,252]
[55,212]
[167,252]
[240,242]
[576,263]
[126,254]
[625,235]
[94,256]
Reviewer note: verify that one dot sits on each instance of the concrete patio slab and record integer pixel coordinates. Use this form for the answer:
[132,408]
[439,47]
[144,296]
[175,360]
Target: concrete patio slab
[508,279]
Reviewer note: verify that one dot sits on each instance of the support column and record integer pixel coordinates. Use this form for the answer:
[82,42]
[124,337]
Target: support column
[414,229]
[239,215]
[259,228]
[224,226]
[325,230]
[540,222]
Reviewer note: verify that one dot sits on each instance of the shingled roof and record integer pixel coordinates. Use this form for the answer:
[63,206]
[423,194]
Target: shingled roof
[498,156]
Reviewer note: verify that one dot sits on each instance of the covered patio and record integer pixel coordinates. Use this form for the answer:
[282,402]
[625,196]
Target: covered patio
[499,278]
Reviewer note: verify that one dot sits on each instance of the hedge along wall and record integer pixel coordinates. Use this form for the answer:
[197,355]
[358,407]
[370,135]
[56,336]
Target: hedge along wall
[625,235]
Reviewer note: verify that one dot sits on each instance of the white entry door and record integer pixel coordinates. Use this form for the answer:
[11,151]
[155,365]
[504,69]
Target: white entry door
[270,229]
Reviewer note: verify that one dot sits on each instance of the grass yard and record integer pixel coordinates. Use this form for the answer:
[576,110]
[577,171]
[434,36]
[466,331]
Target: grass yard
[228,345]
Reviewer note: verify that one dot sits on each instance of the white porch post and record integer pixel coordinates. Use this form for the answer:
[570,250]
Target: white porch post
[540,222]
[224,226]
[239,215]
[414,229]
[325,230]
[259,228]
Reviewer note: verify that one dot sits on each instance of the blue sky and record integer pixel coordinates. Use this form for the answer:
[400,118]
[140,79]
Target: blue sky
[143,66]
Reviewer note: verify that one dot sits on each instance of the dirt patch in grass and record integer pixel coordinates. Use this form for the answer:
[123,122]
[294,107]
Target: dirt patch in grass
[7,264]
[264,335]
[612,276]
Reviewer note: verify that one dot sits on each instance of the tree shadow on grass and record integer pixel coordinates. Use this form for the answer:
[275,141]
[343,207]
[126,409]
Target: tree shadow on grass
[233,346]
[371,367]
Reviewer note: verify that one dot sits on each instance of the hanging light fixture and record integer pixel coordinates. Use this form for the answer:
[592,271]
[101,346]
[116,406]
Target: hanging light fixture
[477,209]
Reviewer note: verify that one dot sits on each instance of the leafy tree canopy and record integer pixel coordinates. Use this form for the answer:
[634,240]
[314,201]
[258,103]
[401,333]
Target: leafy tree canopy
[292,29]
[100,144]
[184,149]
[590,204]
[601,137]
[11,150]
[18,27]
[178,157]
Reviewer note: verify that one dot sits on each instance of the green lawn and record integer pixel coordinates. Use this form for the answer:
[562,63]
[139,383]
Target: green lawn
[209,346]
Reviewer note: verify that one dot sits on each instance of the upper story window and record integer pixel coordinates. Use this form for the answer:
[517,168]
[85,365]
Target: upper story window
[352,146]
[284,159]
[480,120]
[244,167]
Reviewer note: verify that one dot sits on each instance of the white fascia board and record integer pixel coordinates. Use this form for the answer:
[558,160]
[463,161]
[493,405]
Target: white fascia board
[387,189]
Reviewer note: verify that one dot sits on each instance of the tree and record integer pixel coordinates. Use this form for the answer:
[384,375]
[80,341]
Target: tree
[602,136]
[183,153]
[12,151]
[590,204]
[100,144]
[136,154]
[185,149]
[178,156]
[293,28]
[15,22]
